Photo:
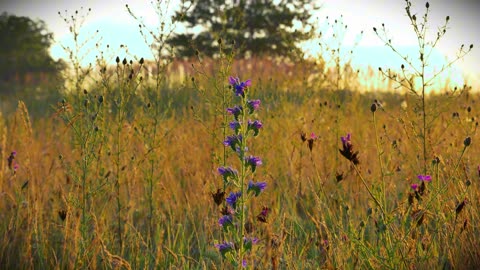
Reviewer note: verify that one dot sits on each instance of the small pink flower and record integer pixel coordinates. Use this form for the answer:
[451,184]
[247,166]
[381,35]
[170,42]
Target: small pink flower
[414,187]
[425,178]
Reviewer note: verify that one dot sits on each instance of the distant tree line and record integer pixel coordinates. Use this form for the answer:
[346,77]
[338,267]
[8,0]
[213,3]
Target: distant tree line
[24,51]
[257,27]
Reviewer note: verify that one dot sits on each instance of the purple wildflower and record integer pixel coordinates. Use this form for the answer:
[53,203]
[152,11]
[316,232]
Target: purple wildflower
[235,111]
[424,178]
[232,141]
[244,263]
[345,140]
[414,187]
[262,217]
[227,172]
[253,162]
[225,247]
[239,86]
[253,105]
[225,221]
[233,198]
[347,149]
[257,187]
[310,141]
[235,126]
[255,126]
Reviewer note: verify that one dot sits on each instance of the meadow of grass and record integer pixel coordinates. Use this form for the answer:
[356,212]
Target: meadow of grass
[120,173]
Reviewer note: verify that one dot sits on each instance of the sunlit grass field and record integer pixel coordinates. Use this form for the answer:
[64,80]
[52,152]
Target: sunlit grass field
[121,171]
[120,175]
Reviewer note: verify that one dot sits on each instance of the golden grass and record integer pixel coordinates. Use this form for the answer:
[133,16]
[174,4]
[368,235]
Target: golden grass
[316,221]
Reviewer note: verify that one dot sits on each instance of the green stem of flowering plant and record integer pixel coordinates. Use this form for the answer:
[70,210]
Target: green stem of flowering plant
[382,171]
[377,202]
[244,133]
[379,155]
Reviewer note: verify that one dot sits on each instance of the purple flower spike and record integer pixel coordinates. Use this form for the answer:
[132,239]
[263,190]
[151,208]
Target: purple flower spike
[225,247]
[253,105]
[425,178]
[257,188]
[239,86]
[233,198]
[253,162]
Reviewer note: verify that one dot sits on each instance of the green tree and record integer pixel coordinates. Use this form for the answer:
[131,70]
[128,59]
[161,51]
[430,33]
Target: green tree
[24,54]
[258,27]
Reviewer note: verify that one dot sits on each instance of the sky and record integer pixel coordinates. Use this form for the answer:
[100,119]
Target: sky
[116,27]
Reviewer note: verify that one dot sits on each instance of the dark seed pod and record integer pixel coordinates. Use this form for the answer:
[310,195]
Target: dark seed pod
[218,196]
[62,214]
[467,141]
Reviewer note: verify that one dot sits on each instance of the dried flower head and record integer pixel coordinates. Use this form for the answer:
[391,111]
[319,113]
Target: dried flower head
[460,207]
[467,141]
[262,217]
[11,158]
[311,140]
[303,136]
[218,196]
